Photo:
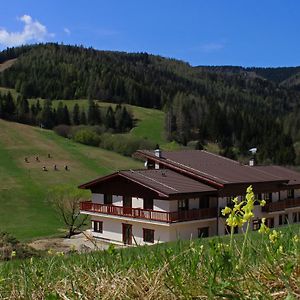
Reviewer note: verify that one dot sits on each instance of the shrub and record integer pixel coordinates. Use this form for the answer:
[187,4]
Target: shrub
[63,130]
[11,248]
[87,136]
[124,144]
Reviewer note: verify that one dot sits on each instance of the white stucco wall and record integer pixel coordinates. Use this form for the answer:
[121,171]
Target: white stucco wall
[112,230]
[186,231]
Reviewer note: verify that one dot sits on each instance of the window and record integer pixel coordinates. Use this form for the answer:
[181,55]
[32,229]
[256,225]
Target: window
[107,199]
[97,226]
[256,224]
[296,217]
[203,232]
[183,204]
[148,235]
[270,222]
[290,194]
[204,202]
[257,198]
[283,219]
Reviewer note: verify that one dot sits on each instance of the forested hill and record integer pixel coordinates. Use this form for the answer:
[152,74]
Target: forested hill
[278,75]
[238,109]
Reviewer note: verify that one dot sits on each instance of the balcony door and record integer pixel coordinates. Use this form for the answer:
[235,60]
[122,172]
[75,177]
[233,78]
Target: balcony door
[127,233]
[127,205]
[148,203]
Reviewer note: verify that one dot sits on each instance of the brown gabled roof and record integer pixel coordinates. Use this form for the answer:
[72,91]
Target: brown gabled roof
[211,167]
[291,175]
[164,182]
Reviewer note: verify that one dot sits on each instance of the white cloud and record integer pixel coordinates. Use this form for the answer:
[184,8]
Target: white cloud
[67,31]
[33,31]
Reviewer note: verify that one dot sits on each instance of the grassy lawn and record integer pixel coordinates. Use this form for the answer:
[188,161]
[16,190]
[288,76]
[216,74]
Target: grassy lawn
[23,189]
[196,269]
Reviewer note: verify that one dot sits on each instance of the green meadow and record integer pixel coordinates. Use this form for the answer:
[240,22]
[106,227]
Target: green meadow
[24,211]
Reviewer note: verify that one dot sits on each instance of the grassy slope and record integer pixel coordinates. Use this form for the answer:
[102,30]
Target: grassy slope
[196,269]
[24,211]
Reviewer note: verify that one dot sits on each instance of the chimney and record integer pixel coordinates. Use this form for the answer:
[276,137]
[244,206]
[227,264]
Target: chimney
[157,152]
[252,162]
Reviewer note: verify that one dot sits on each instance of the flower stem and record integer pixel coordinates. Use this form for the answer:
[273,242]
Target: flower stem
[244,242]
[231,238]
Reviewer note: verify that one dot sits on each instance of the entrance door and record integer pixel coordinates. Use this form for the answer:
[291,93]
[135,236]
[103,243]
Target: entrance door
[127,234]
[127,204]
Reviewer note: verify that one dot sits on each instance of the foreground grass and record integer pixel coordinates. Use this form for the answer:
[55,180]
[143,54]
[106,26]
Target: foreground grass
[200,269]
[24,211]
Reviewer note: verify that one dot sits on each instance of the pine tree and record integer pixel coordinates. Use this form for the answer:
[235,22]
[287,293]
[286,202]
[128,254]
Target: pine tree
[83,117]
[110,118]
[47,116]
[76,114]
[66,116]
[60,114]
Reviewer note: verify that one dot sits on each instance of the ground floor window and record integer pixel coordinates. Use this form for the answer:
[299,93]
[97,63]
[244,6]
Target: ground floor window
[148,235]
[296,217]
[97,226]
[203,232]
[283,219]
[256,224]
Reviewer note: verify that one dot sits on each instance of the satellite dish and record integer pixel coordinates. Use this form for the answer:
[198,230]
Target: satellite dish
[253,150]
[146,163]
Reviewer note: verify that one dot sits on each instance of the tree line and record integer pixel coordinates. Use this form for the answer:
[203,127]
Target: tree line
[47,116]
[233,108]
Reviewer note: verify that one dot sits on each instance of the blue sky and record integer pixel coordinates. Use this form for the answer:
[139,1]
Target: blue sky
[224,32]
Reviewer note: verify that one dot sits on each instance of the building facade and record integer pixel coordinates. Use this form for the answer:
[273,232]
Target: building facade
[180,195]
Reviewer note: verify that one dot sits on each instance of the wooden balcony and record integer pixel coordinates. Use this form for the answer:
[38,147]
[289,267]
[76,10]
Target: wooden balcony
[281,205]
[147,214]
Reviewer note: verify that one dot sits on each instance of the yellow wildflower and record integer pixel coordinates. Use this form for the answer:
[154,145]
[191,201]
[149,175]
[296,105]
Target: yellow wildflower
[273,237]
[280,249]
[263,202]
[13,253]
[227,210]
[263,228]
[295,238]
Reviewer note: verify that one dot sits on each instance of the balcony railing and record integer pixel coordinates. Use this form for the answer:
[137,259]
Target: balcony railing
[281,205]
[148,214]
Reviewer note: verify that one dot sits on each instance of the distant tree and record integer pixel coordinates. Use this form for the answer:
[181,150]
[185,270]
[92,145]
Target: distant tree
[47,115]
[94,117]
[76,114]
[83,120]
[110,119]
[65,200]
[60,115]
[66,116]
